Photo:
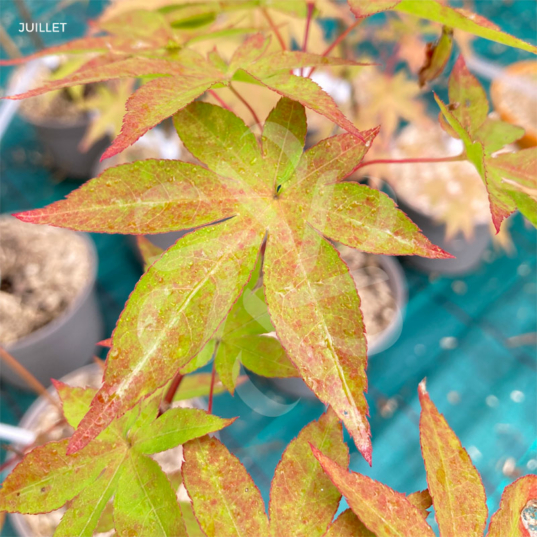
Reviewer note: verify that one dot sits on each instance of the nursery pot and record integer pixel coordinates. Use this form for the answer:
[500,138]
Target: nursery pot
[468,252]
[62,141]
[296,387]
[66,342]
[89,375]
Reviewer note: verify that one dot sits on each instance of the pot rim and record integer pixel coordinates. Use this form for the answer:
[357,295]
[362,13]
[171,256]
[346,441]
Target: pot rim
[44,331]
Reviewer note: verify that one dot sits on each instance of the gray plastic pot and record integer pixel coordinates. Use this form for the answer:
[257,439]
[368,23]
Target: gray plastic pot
[468,253]
[64,344]
[296,387]
[62,141]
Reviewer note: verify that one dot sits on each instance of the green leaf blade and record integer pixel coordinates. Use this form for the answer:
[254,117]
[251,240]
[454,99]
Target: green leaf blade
[177,426]
[454,483]
[149,196]
[367,219]
[200,277]
[84,513]
[225,499]
[48,477]
[284,136]
[209,131]
[308,287]
[299,478]
[145,503]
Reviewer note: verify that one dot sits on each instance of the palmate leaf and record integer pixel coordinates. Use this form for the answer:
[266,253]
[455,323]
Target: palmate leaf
[145,503]
[438,12]
[182,299]
[299,478]
[186,75]
[241,338]
[454,483]
[455,489]
[226,501]
[510,178]
[112,465]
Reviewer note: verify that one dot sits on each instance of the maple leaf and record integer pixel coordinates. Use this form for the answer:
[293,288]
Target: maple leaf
[510,178]
[437,11]
[189,75]
[436,57]
[278,190]
[241,338]
[454,483]
[113,465]
[224,497]
[455,490]
[299,477]
[386,100]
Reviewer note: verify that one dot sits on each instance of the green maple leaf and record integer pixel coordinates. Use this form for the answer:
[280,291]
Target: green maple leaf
[455,490]
[182,299]
[179,79]
[510,178]
[242,338]
[209,469]
[114,465]
[438,11]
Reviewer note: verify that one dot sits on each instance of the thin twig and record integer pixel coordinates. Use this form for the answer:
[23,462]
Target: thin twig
[172,390]
[456,158]
[245,102]
[311,7]
[8,44]
[274,29]
[220,100]
[211,390]
[338,41]
[27,376]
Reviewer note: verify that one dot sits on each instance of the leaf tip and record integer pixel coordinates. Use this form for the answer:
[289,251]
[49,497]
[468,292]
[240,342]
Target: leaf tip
[105,343]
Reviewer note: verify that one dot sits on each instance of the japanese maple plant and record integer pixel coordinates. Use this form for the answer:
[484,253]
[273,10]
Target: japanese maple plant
[265,218]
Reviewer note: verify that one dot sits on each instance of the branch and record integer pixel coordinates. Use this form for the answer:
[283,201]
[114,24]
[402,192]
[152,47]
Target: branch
[311,7]
[220,100]
[456,158]
[338,41]
[28,377]
[274,28]
[243,101]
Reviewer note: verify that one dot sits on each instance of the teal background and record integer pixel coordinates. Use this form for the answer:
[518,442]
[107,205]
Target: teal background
[480,312]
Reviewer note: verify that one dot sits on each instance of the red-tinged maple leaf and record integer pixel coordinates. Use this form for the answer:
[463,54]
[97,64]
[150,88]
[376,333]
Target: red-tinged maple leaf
[277,190]
[224,497]
[299,478]
[510,178]
[509,519]
[439,11]
[114,465]
[383,511]
[455,488]
[454,483]
[189,75]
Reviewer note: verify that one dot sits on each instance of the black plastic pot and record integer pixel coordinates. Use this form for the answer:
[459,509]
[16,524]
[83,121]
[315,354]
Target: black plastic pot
[296,387]
[62,142]
[66,343]
[468,253]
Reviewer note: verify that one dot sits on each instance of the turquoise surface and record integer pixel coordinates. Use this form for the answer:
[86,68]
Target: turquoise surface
[457,331]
